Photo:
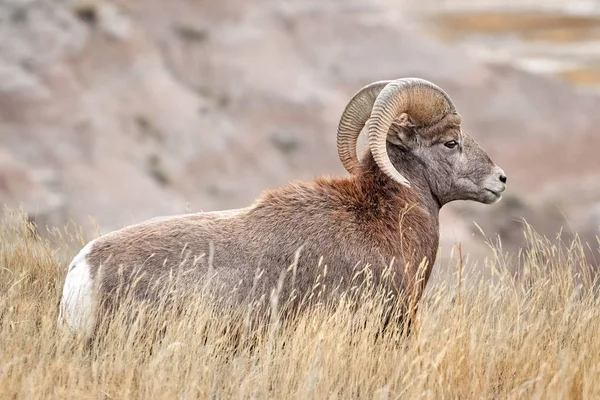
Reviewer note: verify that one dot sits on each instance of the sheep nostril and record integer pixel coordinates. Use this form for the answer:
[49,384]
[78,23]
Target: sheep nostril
[503,178]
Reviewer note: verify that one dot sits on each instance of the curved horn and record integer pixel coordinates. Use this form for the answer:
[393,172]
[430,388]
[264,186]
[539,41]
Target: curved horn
[354,117]
[423,101]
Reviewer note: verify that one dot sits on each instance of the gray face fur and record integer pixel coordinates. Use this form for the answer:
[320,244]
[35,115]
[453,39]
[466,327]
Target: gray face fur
[454,166]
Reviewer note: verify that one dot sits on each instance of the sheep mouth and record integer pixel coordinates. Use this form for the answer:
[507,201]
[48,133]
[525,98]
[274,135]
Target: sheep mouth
[496,194]
[492,196]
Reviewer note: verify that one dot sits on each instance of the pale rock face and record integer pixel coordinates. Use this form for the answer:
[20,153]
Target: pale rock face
[150,110]
[33,190]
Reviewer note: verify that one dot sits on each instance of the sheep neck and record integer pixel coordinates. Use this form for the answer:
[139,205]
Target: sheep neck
[380,185]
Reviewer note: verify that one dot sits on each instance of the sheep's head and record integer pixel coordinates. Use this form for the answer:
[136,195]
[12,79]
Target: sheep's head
[417,117]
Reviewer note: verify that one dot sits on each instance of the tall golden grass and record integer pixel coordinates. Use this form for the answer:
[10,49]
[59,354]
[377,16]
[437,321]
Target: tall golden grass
[488,331]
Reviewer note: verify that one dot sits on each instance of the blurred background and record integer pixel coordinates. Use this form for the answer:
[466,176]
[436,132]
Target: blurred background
[117,111]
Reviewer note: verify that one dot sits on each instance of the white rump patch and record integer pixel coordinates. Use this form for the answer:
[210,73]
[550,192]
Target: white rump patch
[77,305]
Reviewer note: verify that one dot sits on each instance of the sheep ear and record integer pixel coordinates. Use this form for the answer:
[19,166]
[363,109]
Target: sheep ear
[404,120]
[403,131]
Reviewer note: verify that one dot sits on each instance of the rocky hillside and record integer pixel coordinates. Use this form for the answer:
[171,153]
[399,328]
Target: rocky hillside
[125,110]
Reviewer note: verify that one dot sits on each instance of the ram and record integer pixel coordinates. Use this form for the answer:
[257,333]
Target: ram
[384,214]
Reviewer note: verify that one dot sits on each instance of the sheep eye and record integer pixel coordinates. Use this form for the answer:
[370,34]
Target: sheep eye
[451,144]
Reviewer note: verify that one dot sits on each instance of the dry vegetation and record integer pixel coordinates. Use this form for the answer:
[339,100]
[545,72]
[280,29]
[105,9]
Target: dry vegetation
[529,25]
[542,34]
[488,334]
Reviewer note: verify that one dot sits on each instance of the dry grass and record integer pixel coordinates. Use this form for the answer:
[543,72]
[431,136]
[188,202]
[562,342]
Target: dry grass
[529,335]
[540,26]
[584,75]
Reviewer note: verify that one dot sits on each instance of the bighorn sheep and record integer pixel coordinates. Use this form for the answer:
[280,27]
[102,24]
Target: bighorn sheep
[386,212]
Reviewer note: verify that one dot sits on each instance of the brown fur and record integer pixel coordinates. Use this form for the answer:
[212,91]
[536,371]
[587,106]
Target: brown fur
[333,226]
[360,219]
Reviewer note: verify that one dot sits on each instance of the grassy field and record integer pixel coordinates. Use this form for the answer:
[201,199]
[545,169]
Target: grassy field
[485,332]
